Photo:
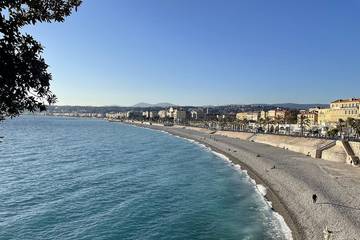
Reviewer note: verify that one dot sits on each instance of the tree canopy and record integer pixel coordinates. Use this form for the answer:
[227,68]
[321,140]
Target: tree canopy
[24,77]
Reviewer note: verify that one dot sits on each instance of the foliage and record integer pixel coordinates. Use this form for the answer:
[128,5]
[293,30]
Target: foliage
[24,76]
[355,125]
[340,125]
[291,116]
[268,122]
[304,123]
[333,132]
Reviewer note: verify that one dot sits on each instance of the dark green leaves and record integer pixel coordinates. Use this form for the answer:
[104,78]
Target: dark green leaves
[24,77]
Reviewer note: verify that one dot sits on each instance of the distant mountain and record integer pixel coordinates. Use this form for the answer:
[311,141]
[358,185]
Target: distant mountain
[147,105]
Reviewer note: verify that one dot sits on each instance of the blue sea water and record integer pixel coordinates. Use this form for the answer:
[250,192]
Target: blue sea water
[68,178]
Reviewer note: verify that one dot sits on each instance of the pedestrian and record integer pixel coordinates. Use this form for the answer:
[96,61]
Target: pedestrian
[327,233]
[314,198]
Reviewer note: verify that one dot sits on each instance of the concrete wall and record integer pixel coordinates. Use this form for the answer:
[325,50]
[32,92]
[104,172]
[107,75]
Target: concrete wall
[240,135]
[197,129]
[355,147]
[306,146]
[335,154]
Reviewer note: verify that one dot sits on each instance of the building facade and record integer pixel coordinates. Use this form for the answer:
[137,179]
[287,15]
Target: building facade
[250,116]
[179,116]
[150,114]
[162,114]
[340,109]
[311,116]
[197,114]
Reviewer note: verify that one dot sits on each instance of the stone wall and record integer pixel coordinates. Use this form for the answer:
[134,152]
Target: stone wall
[240,135]
[355,147]
[335,154]
[305,146]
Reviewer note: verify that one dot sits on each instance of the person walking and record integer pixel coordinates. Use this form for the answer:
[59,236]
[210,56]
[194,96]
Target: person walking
[314,198]
[327,233]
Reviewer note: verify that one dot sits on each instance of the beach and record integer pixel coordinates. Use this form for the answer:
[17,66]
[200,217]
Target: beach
[291,179]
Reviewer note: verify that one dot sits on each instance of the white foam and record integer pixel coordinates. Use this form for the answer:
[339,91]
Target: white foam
[222,156]
[284,227]
[261,189]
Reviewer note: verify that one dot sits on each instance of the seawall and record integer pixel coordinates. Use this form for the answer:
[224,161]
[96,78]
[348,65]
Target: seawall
[330,150]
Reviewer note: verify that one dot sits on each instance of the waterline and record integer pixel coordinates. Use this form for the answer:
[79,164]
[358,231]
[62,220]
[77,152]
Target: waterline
[260,189]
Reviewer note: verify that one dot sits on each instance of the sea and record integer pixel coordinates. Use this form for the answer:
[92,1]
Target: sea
[75,178]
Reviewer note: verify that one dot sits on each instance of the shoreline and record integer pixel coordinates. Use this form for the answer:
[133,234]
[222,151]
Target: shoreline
[275,202]
[270,197]
[290,186]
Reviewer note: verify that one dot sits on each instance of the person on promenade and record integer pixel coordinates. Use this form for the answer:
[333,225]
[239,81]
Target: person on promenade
[314,198]
[327,233]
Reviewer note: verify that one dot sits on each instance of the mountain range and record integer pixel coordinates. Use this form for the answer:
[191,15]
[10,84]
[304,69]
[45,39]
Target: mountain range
[148,105]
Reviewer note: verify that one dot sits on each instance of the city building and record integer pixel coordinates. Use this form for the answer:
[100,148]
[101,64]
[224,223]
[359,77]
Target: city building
[179,116]
[134,114]
[339,109]
[226,117]
[276,113]
[117,115]
[263,114]
[197,114]
[162,114]
[150,114]
[170,112]
[250,116]
[311,116]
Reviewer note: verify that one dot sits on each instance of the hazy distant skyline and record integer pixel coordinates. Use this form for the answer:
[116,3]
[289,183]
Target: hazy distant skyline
[204,52]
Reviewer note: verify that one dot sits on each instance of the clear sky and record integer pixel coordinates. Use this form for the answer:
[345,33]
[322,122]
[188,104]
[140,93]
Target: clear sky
[198,52]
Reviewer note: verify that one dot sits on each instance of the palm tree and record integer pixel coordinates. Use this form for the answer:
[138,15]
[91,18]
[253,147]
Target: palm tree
[333,132]
[223,123]
[278,120]
[304,122]
[268,122]
[244,123]
[261,123]
[355,125]
[238,124]
[340,125]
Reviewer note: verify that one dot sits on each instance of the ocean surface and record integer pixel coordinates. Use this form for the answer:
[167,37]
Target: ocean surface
[68,178]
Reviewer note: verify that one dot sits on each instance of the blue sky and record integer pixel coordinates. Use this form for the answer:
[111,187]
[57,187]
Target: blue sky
[198,52]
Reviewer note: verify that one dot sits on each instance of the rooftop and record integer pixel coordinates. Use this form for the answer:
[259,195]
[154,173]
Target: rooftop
[347,100]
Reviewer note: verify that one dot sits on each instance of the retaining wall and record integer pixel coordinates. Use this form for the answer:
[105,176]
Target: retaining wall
[355,147]
[335,153]
[240,135]
[307,146]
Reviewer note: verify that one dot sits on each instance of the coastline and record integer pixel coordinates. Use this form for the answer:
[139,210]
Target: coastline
[291,196]
[269,196]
